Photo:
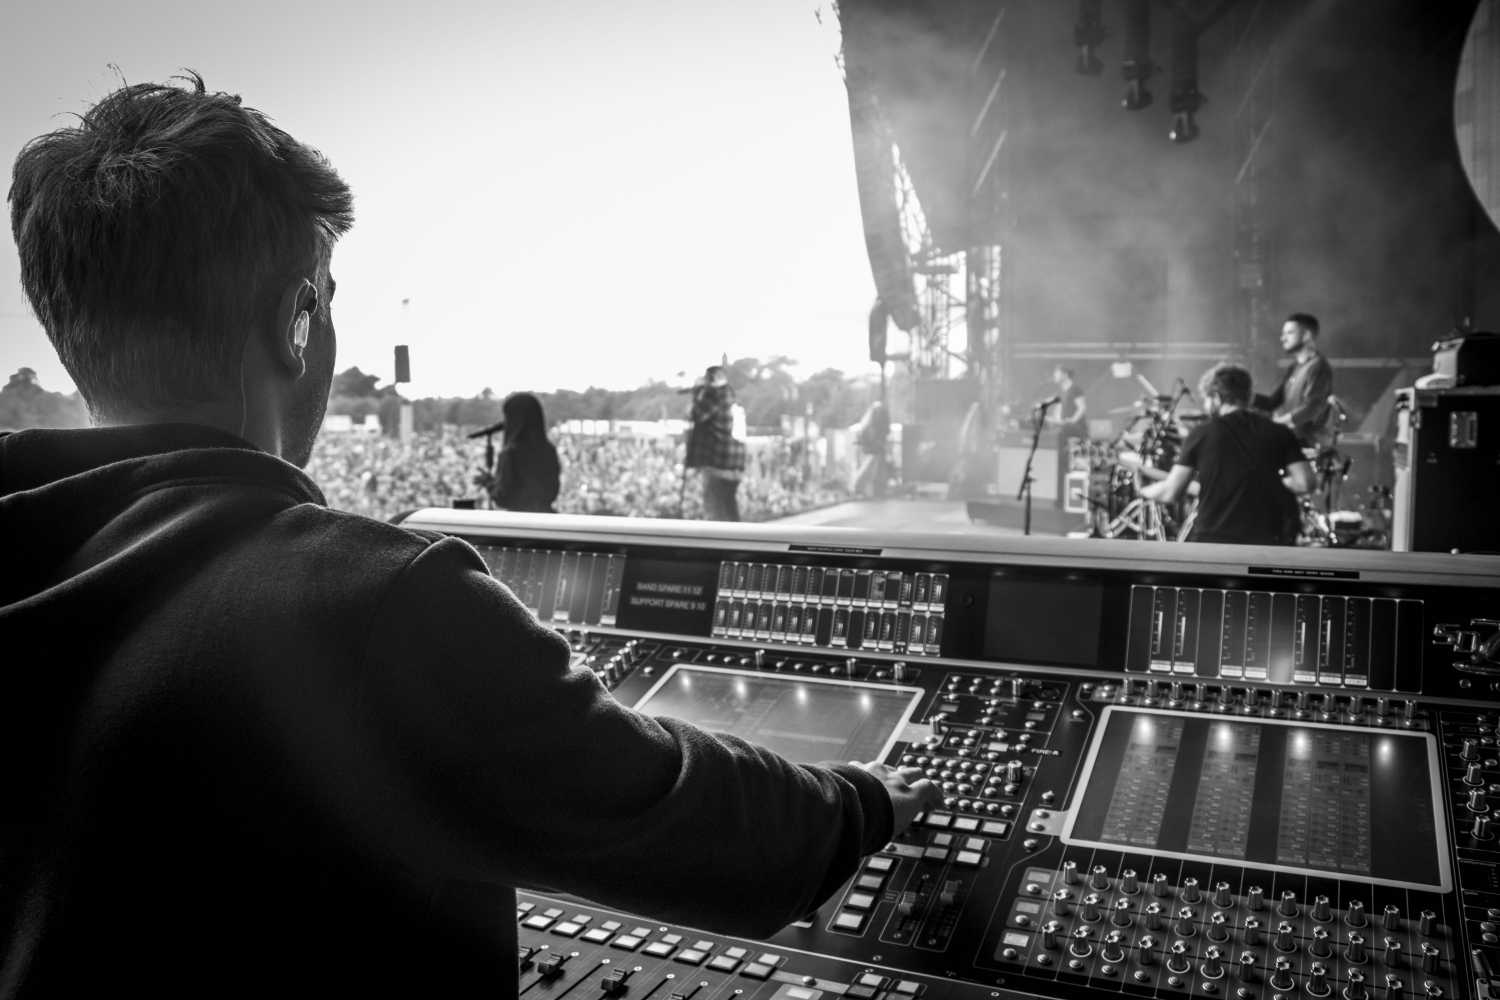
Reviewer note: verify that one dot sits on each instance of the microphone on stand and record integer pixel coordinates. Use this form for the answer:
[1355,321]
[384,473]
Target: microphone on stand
[1049,401]
[494,428]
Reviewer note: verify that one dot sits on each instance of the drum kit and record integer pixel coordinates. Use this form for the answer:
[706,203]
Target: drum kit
[1143,452]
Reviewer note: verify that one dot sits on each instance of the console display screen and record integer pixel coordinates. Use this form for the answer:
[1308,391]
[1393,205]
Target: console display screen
[804,720]
[1299,796]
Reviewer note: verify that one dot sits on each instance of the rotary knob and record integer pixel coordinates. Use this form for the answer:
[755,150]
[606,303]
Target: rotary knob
[1121,916]
[1317,980]
[1354,951]
[1247,967]
[1252,931]
[1282,978]
[1190,893]
[1146,949]
[1218,928]
[1129,884]
[1285,937]
[1474,774]
[1288,907]
[1099,879]
[1223,898]
[1392,920]
[1080,948]
[1050,930]
[1255,897]
[1153,916]
[1480,830]
[1179,963]
[1431,957]
[1355,916]
[1062,904]
[1112,952]
[1159,886]
[1477,803]
[1213,964]
[1427,923]
[1355,990]
[1320,948]
[1470,750]
[1185,926]
[1392,953]
[1395,989]
[1321,911]
[1089,909]
[1070,873]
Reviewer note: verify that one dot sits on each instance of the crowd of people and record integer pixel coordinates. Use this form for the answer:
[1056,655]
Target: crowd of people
[380,477]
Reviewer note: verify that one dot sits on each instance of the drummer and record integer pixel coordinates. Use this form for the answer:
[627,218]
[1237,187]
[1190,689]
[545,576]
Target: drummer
[1247,467]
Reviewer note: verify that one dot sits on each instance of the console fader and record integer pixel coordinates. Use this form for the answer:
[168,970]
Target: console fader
[1170,776]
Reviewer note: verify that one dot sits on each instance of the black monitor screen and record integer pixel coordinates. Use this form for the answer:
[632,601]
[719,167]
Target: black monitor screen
[804,720]
[1303,797]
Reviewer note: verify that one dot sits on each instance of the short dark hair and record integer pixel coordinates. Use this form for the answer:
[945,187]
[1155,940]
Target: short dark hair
[1307,321]
[159,230]
[1064,369]
[1231,383]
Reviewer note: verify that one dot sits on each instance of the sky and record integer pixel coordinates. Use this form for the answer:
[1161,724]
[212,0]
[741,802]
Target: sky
[565,195]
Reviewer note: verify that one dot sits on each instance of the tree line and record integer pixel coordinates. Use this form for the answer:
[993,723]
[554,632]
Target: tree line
[768,389]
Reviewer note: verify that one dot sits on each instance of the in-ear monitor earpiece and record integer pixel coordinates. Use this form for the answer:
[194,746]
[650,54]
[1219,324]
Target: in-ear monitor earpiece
[299,329]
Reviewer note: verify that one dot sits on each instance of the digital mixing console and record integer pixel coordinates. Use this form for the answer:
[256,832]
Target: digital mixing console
[1168,770]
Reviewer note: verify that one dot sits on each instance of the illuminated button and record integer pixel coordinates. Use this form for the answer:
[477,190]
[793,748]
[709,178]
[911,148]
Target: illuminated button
[936,854]
[966,824]
[940,820]
[690,956]
[849,920]
[756,970]
[567,929]
[874,981]
[610,925]
[974,844]
[942,839]
[596,935]
[870,883]
[769,958]
[736,953]
[860,900]
[700,945]
[723,963]
[969,858]
[880,863]
[538,922]
[553,912]
[658,949]
[525,907]
[909,988]
[672,939]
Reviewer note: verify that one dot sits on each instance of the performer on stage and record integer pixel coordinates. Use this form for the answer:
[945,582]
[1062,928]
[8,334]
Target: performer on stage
[1247,466]
[254,747]
[526,470]
[872,435]
[1301,401]
[1070,415]
[712,446]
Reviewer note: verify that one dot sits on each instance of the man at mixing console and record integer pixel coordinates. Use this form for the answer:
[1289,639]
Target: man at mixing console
[266,748]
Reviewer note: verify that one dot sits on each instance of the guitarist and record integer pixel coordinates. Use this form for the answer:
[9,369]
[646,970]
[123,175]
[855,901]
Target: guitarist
[1301,401]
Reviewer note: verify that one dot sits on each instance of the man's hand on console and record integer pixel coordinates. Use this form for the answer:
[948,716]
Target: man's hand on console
[910,791]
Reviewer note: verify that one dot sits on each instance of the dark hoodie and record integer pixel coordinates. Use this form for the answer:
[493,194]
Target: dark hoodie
[249,745]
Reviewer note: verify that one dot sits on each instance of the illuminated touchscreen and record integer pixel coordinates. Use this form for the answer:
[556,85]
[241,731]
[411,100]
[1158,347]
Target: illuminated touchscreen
[1302,797]
[802,719]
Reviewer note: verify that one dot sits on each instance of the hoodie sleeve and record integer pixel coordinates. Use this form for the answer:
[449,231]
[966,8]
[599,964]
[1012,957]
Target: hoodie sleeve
[503,764]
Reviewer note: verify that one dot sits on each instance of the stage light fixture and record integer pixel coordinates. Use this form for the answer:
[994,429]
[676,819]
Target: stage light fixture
[1137,68]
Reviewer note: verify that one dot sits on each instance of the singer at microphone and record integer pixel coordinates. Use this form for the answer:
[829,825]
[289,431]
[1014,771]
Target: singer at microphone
[1069,418]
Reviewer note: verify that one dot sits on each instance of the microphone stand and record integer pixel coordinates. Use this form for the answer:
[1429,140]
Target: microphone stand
[1026,477]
